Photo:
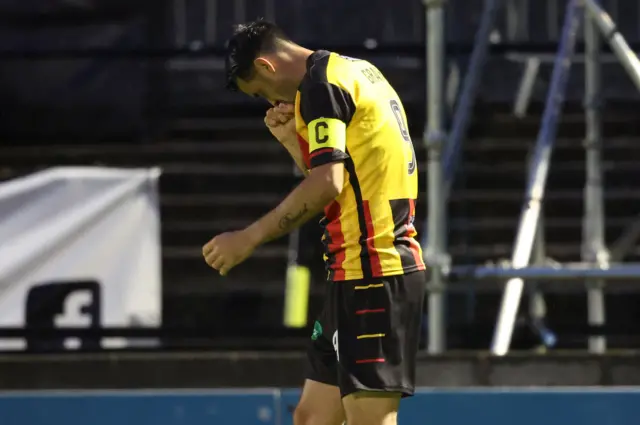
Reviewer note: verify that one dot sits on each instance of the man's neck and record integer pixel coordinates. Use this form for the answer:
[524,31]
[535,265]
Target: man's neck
[299,56]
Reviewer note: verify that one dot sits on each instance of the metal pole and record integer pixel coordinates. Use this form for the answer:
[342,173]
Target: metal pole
[434,138]
[537,179]
[526,87]
[565,272]
[452,151]
[593,249]
[537,305]
[517,21]
[618,44]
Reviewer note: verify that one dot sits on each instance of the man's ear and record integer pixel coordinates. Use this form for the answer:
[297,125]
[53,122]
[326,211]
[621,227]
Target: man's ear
[264,65]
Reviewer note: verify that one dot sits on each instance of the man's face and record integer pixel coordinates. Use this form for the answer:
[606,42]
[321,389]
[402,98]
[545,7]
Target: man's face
[269,84]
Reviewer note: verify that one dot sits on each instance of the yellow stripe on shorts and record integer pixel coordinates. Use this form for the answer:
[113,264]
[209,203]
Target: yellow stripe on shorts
[373,285]
[370,336]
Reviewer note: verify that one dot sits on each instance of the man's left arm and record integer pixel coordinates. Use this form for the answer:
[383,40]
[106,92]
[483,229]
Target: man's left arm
[327,110]
[306,201]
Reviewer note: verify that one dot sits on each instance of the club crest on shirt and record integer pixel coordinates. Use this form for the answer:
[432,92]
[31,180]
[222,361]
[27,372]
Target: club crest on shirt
[317,331]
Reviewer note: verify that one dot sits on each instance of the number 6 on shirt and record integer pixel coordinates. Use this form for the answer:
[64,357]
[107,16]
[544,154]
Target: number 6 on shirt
[397,112]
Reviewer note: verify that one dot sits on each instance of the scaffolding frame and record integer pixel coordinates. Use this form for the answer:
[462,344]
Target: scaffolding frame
[596,267]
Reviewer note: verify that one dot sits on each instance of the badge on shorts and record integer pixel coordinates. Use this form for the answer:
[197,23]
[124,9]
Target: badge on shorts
[317,330]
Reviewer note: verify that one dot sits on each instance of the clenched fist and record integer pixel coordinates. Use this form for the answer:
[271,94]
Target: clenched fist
[281,123]
[227,250]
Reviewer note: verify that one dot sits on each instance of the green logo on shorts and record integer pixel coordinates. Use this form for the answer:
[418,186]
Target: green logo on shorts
[317,330]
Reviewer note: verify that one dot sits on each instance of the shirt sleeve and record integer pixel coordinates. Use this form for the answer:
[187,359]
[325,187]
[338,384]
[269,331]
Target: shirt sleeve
[327,109]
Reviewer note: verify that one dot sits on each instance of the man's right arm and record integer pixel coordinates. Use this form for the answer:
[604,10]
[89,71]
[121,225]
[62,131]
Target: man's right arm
[281,123]
[291,145]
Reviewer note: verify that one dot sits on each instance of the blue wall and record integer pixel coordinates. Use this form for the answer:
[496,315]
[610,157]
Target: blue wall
[272,407]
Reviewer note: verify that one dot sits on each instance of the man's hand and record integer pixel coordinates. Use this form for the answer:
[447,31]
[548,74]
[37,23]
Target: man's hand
[227,250]
[280,120]
[281,123]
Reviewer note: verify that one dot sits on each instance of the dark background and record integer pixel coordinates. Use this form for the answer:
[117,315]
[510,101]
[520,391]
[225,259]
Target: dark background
[140,83]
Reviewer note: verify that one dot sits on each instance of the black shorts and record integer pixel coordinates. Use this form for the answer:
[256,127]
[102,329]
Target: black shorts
[366,338]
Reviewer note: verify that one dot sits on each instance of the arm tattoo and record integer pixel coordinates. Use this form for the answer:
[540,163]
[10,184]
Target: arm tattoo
[289,220]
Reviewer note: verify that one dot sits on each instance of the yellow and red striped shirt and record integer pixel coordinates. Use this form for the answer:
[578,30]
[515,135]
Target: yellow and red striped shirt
[347,111]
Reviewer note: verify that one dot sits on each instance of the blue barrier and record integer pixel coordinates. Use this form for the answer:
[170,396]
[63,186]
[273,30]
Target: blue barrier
[595,406]
[141,408]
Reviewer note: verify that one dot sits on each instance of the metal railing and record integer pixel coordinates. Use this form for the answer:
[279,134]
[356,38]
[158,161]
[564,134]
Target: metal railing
[595,268]
[530,215]
[444,152]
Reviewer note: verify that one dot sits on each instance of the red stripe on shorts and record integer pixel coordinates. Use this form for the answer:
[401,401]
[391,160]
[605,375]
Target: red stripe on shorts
[370,310]
[362,361]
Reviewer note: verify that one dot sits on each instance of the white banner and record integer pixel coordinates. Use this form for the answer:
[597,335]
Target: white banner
[80,247]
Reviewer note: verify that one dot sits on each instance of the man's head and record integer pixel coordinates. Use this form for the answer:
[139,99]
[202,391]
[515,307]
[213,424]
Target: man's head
[262,62]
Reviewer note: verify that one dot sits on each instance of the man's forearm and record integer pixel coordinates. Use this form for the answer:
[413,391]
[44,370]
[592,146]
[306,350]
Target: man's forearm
[302,204]
[299,163]
[294,151]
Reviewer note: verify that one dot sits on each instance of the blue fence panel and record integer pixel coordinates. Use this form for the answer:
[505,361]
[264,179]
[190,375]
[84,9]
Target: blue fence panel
[141,408]
[506,407]
[274,407]
[521,407]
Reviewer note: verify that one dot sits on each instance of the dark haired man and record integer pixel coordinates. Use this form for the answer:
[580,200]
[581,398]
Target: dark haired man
[345,127]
